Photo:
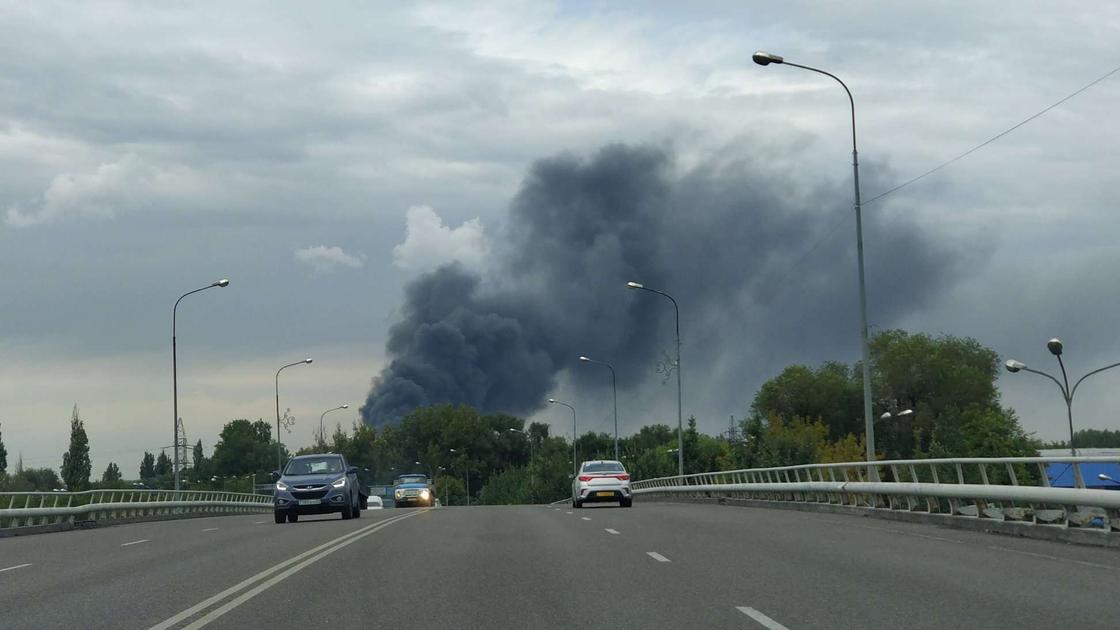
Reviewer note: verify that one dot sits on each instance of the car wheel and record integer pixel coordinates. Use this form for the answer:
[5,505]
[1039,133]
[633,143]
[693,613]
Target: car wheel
[577,504]
[279,516]
[346,513]
[627,502]
[293,517]
[358,510]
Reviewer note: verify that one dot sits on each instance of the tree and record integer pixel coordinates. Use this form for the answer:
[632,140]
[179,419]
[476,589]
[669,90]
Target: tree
[112,474]
[3,457]
[163,465]
[199,461]
[147,466]
[75,462]
[244,448]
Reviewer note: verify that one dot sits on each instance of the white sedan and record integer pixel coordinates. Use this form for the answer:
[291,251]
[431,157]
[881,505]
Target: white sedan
[374,503]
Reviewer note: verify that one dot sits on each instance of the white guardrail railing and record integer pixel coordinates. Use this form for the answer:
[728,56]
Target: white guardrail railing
[1014,489]
[29,509]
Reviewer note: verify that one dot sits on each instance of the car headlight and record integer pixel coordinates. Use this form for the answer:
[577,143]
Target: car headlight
[339,483]
[398,493]
[280,485]
[424,494]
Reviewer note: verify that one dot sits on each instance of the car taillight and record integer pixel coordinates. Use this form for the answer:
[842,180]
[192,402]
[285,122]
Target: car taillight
[623,477]
[585,477]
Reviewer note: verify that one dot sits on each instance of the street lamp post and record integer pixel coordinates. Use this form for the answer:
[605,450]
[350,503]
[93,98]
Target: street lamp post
[466,475]
[614,391]
[175,372]
[532,459]
[575,465]
[765,59]
[1055,348]
[680,422]
[279,451]
[322,434]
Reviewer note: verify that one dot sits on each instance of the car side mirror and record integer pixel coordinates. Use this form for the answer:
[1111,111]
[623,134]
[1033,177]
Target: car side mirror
[275,475]
[353,470]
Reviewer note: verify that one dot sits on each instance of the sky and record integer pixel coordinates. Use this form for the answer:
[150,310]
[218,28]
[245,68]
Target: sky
[325,159]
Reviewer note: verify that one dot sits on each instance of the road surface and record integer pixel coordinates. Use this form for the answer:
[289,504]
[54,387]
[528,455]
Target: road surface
[652,566]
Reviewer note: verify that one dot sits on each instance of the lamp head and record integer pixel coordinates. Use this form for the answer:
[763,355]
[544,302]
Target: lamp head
[307,360]
[765,58]
[346,406]
[224,282]
[906,412]
[635,285]
[552,401]
[885,416]
[1054,346]
[1014,366]
[583,358]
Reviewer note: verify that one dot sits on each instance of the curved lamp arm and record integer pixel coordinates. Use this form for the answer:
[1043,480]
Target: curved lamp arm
[1056,381]
[1107,367]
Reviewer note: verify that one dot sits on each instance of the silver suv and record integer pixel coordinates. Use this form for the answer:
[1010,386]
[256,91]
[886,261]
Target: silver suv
[601,481]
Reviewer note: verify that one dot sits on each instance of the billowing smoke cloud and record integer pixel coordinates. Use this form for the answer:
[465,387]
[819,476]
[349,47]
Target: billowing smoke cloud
[726,238]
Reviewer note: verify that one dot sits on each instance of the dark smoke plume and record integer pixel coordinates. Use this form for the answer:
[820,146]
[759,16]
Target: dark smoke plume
[725,238]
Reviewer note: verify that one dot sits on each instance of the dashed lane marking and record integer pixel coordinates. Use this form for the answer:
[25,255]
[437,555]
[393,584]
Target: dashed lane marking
[18,566]
[612,531]
[210,529]
[656,556]
[762,619]
[135,542]
[585,518]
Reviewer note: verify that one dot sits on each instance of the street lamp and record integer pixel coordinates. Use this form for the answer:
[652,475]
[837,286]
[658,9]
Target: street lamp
[901,414]
[1104,477]
[532,478]
[765,59]
[322,434]
[279,452]
[614,390]
[553,401]
[175,373]
[680,422]
[466,475]
[1055,348]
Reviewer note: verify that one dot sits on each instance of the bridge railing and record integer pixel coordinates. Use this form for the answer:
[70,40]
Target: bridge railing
[1005,488]
[30,509]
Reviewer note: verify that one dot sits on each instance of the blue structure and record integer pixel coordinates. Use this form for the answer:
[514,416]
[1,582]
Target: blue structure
[1061,475]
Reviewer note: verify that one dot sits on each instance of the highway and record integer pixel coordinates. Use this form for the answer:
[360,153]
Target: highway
[656,565]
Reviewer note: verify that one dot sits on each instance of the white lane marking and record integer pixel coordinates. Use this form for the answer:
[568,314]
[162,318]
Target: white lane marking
[206,603]
[135,542]
[210,529]
[656,556]
[259,522]
[762,619]
[585,518]
[18,566]
[612,531]
[1055,558]
[567,512]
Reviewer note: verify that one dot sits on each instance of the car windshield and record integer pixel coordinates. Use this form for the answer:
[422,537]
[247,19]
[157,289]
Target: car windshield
[597,467]
[314,466]
[416,479]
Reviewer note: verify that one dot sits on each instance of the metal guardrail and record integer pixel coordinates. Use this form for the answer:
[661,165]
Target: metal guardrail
[30,509]
[1006,489]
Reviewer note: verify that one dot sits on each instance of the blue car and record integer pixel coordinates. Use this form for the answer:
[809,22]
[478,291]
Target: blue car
[413,489]
[317,484]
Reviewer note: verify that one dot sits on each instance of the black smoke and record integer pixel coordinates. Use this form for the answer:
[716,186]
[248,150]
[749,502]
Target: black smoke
[727,238]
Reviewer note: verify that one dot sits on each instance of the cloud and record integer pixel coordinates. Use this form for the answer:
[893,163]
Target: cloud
[129,183]
[429,243]
[323,259]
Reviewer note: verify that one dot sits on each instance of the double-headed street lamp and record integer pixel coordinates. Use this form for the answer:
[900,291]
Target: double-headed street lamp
[614,390]
[467,474]
[1055,348]
[680,422]
[279,451]
[175,373]
[575,465]
[765,59]
[901,414]
[322,435]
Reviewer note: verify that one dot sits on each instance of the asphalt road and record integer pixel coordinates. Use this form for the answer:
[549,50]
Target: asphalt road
[651,566]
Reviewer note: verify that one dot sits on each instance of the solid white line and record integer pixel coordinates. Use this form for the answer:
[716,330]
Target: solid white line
[135,542]
[18,566]
[206,603]
[210,529]
[1055,558]
[585,518]
[762,619]
[656,556]
[612,531]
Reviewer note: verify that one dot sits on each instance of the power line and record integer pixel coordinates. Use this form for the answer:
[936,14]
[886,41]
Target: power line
[995,137]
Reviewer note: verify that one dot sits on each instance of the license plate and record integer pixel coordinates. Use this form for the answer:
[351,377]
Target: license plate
[310,501]
[604,494]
